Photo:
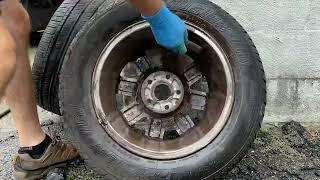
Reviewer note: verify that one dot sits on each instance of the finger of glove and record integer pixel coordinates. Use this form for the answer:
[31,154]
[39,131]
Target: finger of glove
[181,49]
[186,36]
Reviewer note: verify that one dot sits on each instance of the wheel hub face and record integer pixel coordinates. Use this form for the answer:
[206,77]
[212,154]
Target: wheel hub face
[154,104]
[162,92]
[159,106]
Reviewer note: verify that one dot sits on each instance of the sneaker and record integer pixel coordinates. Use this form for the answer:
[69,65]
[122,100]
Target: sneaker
[57,154]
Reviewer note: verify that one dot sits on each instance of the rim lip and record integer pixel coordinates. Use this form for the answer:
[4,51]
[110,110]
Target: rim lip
[174,154]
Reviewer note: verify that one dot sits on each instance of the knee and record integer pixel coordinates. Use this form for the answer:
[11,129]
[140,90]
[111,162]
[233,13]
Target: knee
[16,19]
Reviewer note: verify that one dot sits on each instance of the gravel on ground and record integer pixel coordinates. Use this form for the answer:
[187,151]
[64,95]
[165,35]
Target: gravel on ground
[287,151]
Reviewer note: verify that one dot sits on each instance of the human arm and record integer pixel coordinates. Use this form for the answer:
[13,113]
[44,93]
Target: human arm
[168,29]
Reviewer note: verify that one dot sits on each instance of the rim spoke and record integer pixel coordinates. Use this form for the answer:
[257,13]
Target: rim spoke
[130,72]
[194,47]
[132,113]
[200,87]
[154,56]
[155,128]
[143,125]
[188,118]
[183,124]
[192,75]
[139,118]
[196,115]
[143,64]
[198,102]
[127,88]
[168,125]
[123,101]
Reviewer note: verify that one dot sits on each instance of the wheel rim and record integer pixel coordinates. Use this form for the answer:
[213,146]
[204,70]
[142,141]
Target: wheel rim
[123,95]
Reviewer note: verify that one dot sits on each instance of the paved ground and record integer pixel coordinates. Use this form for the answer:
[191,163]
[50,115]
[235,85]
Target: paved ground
[282,152]
[286,151]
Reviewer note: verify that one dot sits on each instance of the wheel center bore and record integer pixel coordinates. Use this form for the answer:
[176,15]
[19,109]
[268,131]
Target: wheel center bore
[162,92]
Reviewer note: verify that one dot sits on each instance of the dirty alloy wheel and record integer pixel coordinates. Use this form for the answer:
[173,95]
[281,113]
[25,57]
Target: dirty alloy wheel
[138,111]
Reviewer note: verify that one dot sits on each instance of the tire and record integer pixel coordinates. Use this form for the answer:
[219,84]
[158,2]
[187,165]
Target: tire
[62,28]
[114,161]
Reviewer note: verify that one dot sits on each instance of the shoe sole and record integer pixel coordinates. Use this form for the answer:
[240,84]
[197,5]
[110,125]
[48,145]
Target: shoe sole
[21,174]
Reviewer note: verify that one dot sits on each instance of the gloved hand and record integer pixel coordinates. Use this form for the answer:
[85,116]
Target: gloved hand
[169,30]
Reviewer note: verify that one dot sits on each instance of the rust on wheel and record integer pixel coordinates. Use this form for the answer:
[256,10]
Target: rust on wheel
[162,106]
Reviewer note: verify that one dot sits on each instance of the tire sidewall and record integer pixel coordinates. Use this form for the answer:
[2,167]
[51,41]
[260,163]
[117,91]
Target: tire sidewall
[104,153]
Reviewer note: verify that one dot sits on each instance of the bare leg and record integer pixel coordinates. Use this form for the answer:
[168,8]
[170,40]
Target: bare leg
[7,57]
[20,94]
[36,152]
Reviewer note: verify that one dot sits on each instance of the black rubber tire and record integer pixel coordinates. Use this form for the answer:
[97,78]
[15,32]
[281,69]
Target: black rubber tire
[114,161]
[62,28]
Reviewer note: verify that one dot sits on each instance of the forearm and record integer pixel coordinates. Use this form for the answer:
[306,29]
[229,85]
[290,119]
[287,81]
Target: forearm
[147,7]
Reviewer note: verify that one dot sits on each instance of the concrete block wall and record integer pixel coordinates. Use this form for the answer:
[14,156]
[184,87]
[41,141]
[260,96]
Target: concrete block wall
[287,35]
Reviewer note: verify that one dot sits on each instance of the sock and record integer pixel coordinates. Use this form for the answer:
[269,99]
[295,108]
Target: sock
[36,151]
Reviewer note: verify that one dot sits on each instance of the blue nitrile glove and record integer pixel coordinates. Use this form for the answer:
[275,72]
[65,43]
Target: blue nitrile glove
[169,30]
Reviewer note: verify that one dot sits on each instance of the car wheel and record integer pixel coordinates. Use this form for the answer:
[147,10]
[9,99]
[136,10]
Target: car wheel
[138,111]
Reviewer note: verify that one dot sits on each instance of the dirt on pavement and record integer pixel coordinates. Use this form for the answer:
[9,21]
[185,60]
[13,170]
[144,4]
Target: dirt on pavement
[288,151]
[285,152]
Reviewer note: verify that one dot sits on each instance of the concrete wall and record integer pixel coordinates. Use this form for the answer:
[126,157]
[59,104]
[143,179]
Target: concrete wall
[287,35]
